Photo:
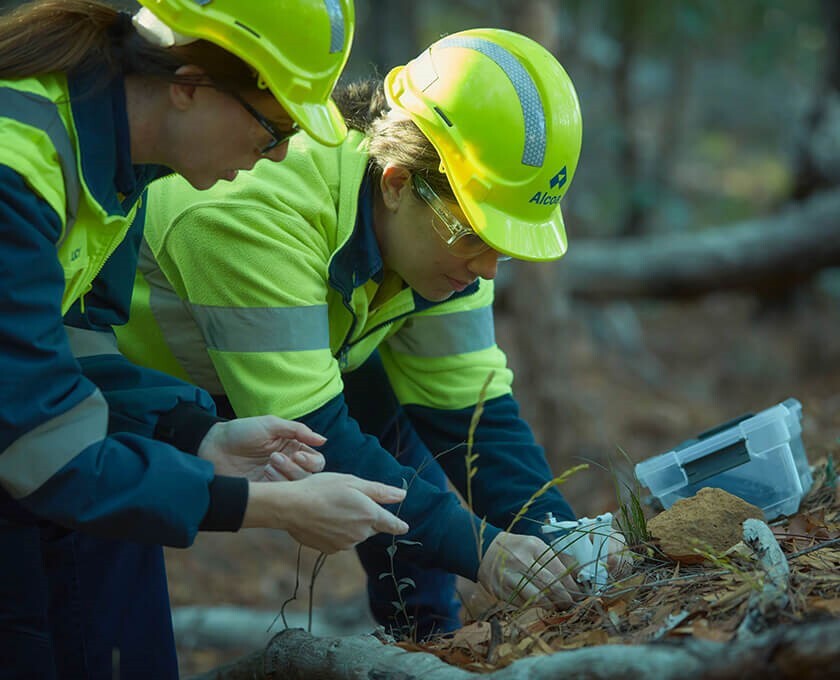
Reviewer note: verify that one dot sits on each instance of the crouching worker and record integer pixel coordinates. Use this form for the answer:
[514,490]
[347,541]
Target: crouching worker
[352,289]
[93,106]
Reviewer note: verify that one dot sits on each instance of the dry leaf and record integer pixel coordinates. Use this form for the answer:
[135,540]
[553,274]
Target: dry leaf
[473,636]
[702,629]
[831,606]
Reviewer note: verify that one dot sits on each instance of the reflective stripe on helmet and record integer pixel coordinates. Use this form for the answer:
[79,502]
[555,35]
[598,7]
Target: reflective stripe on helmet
[41,113]
[336,25]
[529,98]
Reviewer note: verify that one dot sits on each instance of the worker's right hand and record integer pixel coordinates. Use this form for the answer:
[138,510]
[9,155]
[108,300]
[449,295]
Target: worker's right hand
[524,570]
[327,511]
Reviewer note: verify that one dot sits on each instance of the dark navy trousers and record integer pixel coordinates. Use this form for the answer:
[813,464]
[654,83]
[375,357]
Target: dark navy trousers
[77,607]
[430,606]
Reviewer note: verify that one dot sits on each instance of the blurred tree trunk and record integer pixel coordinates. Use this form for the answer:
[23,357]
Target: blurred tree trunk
[395,26]
[766,256]
[816,163]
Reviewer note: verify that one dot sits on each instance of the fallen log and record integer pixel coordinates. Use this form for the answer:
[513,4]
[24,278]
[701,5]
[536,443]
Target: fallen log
[765,255]
[788,651]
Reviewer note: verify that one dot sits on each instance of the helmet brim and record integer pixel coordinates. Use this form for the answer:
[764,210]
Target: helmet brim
[537,242]
[323,122]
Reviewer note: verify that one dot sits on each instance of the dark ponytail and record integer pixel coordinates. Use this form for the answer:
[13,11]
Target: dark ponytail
[50,36]
[361,103]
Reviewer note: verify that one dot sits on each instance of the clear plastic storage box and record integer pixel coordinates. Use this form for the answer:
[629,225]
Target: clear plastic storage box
[759,458]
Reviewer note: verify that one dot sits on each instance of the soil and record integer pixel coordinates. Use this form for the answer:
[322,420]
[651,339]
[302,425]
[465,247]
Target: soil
[709,521]
[685,368]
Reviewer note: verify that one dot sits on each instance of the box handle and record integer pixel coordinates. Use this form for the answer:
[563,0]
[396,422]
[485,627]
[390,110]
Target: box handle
[716,462]
[724,426]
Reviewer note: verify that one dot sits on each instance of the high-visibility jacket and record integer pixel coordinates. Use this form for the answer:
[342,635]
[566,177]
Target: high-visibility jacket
[266,289]
[68,193]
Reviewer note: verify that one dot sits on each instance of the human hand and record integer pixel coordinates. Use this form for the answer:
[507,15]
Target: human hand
[524,570]
[328,511]
[262,448]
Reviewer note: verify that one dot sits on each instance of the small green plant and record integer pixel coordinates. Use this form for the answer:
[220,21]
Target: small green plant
[630,517]
[830,472]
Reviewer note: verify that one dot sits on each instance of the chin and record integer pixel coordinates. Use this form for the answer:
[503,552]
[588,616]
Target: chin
[200,183]
[436,296]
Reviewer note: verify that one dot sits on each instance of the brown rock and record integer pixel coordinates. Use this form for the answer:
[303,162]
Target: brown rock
[709,521]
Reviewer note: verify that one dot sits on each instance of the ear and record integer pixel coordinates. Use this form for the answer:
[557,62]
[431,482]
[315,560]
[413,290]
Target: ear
[394,184]
[181,95]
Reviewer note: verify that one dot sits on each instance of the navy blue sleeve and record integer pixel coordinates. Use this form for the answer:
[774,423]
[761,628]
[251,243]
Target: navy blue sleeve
[511,465]
[141,400]
[56,458]
[444,528]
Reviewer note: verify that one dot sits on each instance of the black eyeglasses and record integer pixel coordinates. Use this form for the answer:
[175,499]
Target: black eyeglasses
[278,137]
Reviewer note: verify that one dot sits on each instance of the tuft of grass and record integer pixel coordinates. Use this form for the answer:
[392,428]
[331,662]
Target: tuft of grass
[630,517]
[830,472]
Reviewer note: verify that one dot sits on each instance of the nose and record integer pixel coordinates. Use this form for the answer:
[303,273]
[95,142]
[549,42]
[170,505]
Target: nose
[278,153]
[485,264]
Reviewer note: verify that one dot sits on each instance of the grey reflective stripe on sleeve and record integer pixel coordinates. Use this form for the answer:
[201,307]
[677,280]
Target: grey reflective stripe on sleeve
[39,112]
[529,97]
[336,25]
[40,453]
[264,329]
[88,343]
[438,336]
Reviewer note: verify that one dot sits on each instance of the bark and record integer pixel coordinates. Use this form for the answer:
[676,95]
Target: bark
[761,255]
[794,651]
[773,597]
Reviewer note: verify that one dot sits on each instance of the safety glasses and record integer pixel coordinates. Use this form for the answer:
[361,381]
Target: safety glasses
[278,137]
[461,240]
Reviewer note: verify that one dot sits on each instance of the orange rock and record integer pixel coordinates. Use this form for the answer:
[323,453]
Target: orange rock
[710,521]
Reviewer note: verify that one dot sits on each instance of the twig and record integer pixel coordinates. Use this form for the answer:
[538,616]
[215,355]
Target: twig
[293,596]
[316,568]
[496,637]
[814,548]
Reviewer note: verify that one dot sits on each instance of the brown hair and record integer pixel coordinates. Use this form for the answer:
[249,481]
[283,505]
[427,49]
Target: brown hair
[392,136]
[49,36]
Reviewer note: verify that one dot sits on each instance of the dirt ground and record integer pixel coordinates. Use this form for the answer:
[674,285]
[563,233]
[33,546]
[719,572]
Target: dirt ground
[640,377]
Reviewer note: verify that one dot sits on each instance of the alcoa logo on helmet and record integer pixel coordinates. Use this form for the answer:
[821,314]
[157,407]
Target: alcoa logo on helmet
[556,182]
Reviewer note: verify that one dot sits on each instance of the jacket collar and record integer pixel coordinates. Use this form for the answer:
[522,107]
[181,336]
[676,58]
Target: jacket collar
[99,113]
[359,260]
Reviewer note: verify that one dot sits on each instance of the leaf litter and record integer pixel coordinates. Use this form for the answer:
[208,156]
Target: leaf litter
[668,599]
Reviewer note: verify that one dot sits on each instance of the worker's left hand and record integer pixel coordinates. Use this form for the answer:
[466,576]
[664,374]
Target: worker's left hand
[263,448]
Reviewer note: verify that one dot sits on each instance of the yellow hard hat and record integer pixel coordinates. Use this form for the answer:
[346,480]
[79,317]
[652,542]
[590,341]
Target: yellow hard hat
[298,48]
[504,117]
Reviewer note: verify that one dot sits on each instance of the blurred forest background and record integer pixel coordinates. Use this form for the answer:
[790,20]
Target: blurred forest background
[700,283]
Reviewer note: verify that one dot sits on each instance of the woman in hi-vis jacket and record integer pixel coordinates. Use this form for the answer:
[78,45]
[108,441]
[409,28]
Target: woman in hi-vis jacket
[94,105]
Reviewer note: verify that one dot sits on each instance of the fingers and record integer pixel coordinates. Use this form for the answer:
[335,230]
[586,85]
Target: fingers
[291,429]
[388,523]
[381,493]
[294,466]
[309,460]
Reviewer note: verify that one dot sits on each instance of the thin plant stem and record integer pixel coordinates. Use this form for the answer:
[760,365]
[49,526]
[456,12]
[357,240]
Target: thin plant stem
[294,594]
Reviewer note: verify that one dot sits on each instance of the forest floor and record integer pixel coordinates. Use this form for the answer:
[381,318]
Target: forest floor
[637,379]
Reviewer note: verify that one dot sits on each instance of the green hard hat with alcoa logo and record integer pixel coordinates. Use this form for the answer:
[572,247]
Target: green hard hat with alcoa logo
[297,47]
[504,117]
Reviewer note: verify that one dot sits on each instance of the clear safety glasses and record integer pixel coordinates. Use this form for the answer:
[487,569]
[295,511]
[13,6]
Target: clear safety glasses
[461,240]
[278,137]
